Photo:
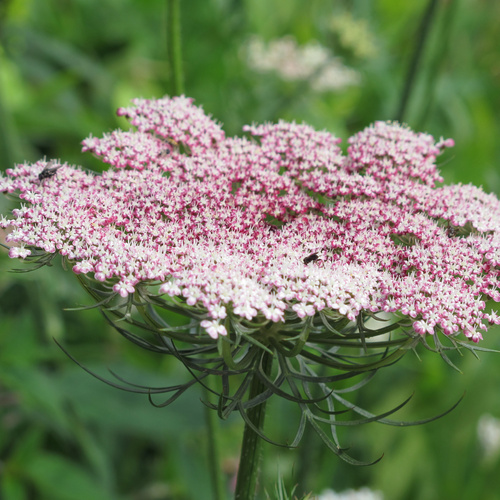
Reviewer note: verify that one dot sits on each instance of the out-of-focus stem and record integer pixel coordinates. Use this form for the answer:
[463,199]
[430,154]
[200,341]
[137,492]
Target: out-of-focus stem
[423,32]
[213,452]
[174,52]
[437,65]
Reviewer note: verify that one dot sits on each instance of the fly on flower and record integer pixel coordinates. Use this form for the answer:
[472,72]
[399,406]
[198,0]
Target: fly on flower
[172,142]
[49,171]
[311,258]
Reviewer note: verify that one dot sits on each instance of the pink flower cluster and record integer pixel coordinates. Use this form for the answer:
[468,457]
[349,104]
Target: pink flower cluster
[277,222]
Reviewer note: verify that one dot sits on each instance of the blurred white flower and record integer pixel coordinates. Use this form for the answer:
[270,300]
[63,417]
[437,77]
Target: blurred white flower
[354,35]
[361,494]
[293,62]
[488,433]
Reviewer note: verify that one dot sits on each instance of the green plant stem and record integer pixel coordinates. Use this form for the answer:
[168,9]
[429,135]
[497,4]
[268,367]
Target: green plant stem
[309,452]
[174,52]
[213,451]
[438,64]
[9,140]
[423,32]
[251,448]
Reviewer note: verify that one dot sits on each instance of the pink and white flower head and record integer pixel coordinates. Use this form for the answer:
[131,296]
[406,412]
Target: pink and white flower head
[278,224]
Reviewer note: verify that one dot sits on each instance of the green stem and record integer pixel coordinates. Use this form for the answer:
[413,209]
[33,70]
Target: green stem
[9,140]
[174,52]
[251,448]
[438,64]
[213,450]
[423,32]
[307,462]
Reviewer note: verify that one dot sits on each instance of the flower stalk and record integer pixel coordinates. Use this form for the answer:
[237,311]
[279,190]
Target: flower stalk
[251,448]
[213,450]
[174,47]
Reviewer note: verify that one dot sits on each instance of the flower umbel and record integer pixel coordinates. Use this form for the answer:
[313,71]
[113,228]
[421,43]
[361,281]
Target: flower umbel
[274,243]
[311,62]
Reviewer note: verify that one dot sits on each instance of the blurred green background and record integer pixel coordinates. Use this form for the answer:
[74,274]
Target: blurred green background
[65,66]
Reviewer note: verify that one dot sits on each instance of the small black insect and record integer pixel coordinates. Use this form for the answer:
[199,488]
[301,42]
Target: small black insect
[48,171]
[311,258]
